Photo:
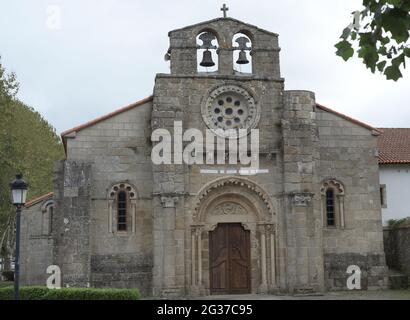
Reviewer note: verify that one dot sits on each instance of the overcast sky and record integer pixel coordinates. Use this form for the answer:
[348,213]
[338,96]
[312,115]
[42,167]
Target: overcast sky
[106,53]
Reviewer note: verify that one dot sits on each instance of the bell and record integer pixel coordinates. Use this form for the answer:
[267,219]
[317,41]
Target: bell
[207,59]
[242,58]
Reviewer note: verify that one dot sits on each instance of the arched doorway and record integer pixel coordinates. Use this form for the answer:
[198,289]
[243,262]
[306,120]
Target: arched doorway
[233,239]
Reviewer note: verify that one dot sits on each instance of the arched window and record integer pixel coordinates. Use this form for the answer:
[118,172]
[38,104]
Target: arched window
[333,204]
[242,53]
[47,210]
[122,211]
[207,52]
[330,208]
[122,208]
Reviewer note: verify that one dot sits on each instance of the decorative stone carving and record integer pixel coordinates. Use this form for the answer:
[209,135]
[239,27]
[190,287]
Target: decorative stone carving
[230,107]
[169,202]
[122,186]
[233,181]
[332,183]
[229,208]
[302,199]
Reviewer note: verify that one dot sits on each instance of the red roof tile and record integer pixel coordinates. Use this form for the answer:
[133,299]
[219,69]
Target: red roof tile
[38,199]
[394,146]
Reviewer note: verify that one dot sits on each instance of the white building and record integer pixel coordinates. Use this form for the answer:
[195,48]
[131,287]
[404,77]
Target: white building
[394,155]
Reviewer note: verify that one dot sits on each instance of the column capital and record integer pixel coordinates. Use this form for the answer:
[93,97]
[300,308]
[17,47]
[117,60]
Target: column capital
[169,201]
[301,199]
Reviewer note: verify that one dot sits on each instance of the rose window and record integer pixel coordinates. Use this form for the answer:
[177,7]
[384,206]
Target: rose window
[230,108]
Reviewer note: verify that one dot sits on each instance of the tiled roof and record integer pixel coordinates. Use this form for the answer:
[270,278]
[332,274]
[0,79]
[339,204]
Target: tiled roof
[38,199]
[394,146]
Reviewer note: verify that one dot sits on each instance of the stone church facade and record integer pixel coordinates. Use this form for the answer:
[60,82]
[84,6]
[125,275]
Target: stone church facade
[115,219]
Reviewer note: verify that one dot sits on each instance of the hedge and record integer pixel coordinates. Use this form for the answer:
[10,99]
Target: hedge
[402,223]
[43,293]
[8,275]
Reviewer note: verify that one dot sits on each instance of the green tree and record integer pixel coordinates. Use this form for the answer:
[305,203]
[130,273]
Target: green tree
[380,36]
[28,144]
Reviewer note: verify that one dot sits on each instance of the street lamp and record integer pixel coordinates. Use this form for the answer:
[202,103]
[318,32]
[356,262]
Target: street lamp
[19,194]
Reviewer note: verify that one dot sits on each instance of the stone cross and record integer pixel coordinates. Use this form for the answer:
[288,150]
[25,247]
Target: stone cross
[224,9]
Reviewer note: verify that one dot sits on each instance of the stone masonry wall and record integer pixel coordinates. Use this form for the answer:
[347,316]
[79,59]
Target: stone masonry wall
[119,151]
[36,248]
[178,97]
[397,249]
[72,222]
[348,153]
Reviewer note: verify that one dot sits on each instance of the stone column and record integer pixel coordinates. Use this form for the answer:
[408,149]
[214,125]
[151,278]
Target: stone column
[110,216]
[272,261]
[264,276]
[340,198]
[199,232]
[165,248]
[193,257]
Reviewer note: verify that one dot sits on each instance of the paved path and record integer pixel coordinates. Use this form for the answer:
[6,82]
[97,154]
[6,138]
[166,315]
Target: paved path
[357,295]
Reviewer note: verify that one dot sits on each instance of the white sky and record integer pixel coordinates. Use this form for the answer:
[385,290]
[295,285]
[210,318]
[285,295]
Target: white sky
[107,53]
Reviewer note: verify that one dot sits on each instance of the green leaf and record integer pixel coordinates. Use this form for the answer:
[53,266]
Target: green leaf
[344,50]
[393,73]
[398,60]
[381,65]
[396,21]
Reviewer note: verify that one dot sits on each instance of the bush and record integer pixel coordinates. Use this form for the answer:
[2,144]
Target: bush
[399,223]
[43,293]
[8,275]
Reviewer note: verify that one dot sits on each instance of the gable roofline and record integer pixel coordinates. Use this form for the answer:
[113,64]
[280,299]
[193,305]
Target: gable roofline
[102,118]
[223,19]
[107,116]
[39,199]
[350,119]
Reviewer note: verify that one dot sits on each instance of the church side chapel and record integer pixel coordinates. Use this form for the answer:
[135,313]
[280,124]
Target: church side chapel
[115,219]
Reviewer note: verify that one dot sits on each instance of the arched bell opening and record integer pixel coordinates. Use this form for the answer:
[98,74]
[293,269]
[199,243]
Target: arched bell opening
[207,52]
[242,53]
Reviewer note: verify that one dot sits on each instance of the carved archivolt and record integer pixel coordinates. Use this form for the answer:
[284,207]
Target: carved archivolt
[132,193]
[233,181]
[332,183]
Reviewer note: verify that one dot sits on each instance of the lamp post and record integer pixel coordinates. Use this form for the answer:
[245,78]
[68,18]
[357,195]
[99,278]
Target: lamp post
[19,194]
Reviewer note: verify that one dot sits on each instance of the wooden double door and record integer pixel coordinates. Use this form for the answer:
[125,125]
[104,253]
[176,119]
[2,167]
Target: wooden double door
[229,256]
